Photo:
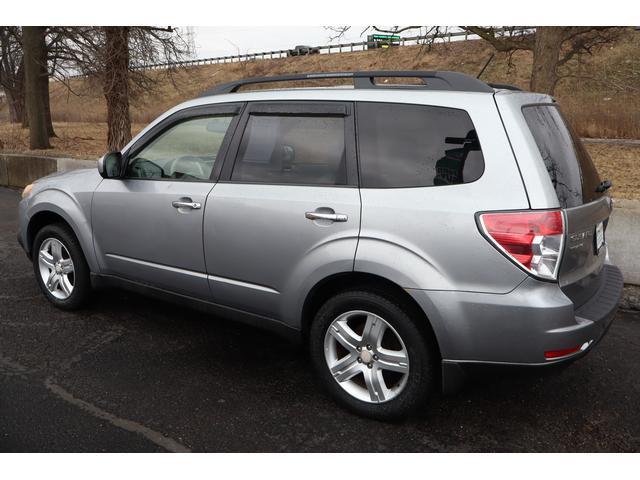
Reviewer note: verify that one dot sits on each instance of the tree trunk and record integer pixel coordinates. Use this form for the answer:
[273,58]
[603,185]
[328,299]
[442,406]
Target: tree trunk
[14,90]
[548,43]
[15,101]
[23,94]
[47,107]
[33,43]
[116,86]
[44,85]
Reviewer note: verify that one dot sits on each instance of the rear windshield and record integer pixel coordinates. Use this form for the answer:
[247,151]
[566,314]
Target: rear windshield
[568,163]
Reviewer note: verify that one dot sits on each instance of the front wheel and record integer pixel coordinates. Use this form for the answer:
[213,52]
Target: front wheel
[371,355]
[60,267]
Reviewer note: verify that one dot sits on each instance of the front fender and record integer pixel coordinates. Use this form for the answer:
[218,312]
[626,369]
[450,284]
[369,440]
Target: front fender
[75,210]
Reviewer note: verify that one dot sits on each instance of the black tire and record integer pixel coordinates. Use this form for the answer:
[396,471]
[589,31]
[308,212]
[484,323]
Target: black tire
[81,292]
[420,347]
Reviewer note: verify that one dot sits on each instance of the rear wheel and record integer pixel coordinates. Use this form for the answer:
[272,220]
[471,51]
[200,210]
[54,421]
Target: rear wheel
[60,267]
[371,355]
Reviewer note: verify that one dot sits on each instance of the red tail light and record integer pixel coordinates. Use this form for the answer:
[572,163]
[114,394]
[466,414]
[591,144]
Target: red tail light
[553,354]
[532,239]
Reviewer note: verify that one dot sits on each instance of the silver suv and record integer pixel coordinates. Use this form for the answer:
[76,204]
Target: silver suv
[402,232]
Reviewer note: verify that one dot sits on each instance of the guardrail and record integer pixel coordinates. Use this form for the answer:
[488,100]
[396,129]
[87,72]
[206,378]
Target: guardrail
[323,49]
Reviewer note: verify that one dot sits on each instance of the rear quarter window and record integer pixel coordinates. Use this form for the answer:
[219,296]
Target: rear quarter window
[570,168]
[416,146]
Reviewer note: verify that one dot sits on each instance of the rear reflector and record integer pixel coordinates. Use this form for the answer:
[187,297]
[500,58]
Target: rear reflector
[532,239]
[550,355]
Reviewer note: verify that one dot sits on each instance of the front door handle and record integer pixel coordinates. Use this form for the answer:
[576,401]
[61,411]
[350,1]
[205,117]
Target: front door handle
[191,205]
[334,217]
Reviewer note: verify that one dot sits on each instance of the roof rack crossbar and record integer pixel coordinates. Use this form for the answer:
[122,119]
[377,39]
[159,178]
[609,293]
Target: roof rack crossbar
[435,80]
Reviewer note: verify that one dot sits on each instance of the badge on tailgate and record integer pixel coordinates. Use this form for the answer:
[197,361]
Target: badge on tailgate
[599,237]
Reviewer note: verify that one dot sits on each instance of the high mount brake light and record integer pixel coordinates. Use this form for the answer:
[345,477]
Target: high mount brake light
[532,239]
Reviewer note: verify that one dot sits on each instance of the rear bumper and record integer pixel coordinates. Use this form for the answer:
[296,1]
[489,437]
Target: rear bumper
[517,328]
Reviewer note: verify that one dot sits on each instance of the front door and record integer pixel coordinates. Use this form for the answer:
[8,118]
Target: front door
[287,210]
[148,224]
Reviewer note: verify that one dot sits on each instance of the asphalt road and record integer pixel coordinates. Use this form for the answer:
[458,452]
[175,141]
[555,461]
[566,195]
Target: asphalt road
[134,374]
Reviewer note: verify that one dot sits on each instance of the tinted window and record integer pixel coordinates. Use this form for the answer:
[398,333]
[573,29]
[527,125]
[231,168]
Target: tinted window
[186,151]
[416,146]
[570,168]
[292,149]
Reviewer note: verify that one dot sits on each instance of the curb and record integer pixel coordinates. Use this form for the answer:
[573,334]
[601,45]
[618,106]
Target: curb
[18,170]
[630,298]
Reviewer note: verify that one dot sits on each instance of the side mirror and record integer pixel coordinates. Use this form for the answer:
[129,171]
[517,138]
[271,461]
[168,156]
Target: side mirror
[110,165]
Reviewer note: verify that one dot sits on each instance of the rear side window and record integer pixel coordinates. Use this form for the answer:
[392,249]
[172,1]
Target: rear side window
[416,146]
[292,149]
[568,164]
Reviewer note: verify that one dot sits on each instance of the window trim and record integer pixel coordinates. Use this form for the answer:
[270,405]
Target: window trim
[357,108]
[306,108]
[218,109]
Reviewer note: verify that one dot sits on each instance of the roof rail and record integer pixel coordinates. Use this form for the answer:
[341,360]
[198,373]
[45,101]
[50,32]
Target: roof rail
[504,86]
[452,81]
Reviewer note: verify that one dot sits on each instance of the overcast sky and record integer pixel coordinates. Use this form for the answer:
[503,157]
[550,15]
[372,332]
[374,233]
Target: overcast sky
[221,41]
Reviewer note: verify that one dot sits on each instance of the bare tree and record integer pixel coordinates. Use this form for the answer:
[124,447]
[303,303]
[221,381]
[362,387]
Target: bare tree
[337,32]
[34,48]
[12,72]
[116,56]
[553,48]
[12,76]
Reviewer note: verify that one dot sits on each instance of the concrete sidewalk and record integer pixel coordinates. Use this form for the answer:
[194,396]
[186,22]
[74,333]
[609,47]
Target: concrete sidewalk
[623,238]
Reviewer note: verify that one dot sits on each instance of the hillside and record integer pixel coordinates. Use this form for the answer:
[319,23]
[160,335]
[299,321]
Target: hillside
[603,100]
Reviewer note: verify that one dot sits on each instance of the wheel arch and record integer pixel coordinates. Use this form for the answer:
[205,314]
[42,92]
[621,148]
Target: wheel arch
[38,221]
[333,284]
[48,216]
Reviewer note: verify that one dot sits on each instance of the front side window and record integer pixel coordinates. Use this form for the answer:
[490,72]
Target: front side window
[186,151]
[570,168]
[292,149]
[416,146]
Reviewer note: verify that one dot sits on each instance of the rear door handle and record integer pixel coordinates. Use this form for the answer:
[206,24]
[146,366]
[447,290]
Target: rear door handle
[334,217]
[191,205]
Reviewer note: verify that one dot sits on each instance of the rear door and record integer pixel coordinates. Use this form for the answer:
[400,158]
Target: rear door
[577,185]
[286,209]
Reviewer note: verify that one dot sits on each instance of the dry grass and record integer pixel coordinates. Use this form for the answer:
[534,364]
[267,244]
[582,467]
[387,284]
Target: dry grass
[621,165]
[75,140]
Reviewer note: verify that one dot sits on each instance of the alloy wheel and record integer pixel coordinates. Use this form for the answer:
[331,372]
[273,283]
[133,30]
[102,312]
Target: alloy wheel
[366,356]
[56,268]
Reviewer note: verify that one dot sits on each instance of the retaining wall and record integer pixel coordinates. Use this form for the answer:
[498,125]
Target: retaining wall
[18,170]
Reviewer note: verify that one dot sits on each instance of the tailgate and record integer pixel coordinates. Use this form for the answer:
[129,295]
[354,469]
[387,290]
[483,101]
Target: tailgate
[580,194]
[584,251]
